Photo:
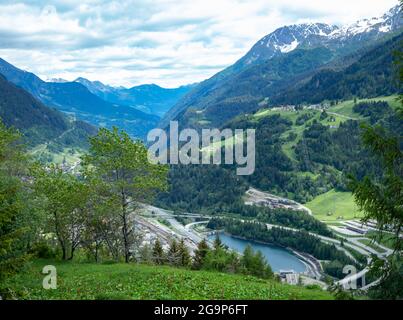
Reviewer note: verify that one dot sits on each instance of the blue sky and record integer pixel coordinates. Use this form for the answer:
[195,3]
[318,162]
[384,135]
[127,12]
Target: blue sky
[167,42]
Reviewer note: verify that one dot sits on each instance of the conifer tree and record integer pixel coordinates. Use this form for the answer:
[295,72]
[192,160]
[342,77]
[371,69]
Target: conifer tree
[217,243]
[183,254]
[174,254]
[158,253]
[200,254]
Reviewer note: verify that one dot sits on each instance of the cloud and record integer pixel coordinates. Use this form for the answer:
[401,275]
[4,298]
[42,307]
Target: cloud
[168,42]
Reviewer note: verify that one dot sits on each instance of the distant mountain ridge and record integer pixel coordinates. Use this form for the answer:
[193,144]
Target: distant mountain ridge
[199,106]
[149,98]
[75,98]
[288,38]
[372,75]
[38,123]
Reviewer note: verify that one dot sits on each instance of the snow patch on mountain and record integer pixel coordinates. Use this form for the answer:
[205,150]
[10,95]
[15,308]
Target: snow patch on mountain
[378,24]
[287,47]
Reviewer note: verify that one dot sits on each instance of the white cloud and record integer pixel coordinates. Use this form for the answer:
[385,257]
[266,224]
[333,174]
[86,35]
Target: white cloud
[168,42]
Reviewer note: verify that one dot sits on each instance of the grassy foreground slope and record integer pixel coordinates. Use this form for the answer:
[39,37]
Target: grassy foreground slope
[132,281]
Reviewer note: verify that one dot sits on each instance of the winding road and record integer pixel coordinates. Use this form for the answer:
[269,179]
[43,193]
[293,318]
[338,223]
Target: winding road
[192,238]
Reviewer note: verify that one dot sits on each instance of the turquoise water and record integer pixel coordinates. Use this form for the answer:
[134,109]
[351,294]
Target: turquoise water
[278,258]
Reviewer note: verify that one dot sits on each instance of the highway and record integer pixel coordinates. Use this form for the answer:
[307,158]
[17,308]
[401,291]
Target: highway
[192,238]
[191,225]
[336,242]
[176,227]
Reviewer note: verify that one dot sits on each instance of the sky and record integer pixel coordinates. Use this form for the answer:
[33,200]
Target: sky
[166,42]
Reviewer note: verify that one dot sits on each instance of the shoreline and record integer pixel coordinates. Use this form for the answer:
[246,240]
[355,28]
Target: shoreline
[308,263]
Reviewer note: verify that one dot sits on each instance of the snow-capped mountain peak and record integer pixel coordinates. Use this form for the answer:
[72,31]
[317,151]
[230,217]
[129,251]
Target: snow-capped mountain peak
[386,23]
[288,38]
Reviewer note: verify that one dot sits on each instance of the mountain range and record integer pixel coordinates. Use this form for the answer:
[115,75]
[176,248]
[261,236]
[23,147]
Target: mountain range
[302,151]
[345,39]
[136,110]
[38,123]
[373,74]
[149,98]
[306,63]
[75,99]
[284,60]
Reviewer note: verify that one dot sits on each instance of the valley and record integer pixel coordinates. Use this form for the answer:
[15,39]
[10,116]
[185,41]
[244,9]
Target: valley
[308,267]
[79,191]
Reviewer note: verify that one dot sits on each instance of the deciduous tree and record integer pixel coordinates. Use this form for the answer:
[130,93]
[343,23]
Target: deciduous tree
[122,165]
[13,253]
[65,200]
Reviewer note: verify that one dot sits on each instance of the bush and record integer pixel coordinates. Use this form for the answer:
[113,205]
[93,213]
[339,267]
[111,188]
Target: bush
[43,250]
[313,287]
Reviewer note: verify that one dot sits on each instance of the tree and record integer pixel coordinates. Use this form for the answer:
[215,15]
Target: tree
[146,254]
[13,252]
[217,243]
[323,115]
[183,254]
[255,264]
[234,264]
[158,253]
[262,268]
[381,197]
[399,63]
[174,254]
[123,167]
[65,202]
[200,255]
[247,257]
[391,273]
[101,224]
[217,259]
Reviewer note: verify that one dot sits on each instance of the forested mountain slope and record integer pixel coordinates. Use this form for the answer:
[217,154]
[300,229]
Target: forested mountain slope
[74,98]
[373,75]
[300,154]
[39,123]
[244,92]
[259,76]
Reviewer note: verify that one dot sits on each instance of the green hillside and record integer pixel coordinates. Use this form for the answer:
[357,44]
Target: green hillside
[133,281]
[337,114]
[332,206]
[374,74]
[345,108]
[305,75]
[39,124]
[242,92]
[300,155]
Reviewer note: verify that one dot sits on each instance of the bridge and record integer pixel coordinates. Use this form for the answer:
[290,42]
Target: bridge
[191,225]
